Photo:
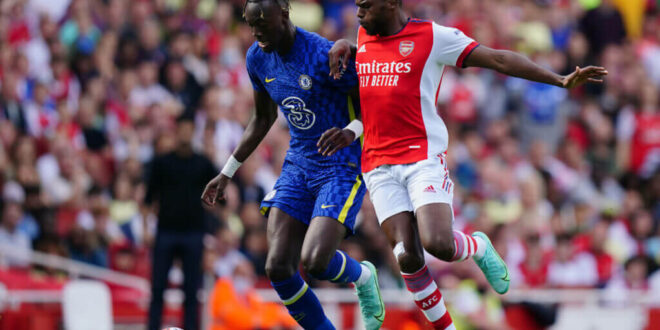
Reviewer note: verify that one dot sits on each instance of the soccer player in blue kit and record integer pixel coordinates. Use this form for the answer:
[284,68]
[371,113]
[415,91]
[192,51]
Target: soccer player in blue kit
[315,201]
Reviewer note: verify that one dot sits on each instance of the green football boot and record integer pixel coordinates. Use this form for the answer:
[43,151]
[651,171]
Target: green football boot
[493,266]
[371,302]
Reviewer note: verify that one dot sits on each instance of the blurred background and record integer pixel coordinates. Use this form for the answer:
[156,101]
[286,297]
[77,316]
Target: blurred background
[566,183]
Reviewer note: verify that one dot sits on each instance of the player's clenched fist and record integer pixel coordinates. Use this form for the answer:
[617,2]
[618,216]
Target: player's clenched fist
[334,139]
[215,189]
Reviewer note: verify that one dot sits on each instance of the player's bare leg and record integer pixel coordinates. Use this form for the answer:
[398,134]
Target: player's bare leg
[321,259]
[439,239]
[403,234]
[435,230]
[321,241]
[402,228]
[285,241]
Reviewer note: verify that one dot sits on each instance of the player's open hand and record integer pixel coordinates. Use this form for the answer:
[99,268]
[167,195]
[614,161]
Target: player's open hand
[334,139]
[215,190]
[592,74]
[338,57]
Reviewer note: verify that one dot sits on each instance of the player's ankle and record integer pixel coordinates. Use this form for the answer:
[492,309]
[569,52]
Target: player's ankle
[364,276]
[482,245]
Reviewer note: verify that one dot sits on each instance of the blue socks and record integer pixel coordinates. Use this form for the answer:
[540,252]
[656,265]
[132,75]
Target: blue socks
[341,269]
[302,304]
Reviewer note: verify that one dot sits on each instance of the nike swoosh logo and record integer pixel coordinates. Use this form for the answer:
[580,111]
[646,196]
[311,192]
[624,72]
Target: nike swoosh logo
[380,317]
[327,206]
[506,276]
[269,80]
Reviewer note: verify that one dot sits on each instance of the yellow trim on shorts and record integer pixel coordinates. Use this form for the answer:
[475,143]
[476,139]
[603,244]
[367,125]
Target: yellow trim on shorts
[264,210]
[350,200]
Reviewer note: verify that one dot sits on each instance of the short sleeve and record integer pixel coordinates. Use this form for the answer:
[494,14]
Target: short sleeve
[451,45]
[251,65]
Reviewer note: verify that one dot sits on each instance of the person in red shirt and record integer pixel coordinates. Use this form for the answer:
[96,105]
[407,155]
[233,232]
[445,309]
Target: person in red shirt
[534,268]
[639,134]
[400,61]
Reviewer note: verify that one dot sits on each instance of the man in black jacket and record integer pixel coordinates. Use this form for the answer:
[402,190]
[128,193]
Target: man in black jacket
[176,181]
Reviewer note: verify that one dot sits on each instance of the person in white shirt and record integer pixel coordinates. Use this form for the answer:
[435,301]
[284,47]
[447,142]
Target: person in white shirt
[569,269]
[11,236]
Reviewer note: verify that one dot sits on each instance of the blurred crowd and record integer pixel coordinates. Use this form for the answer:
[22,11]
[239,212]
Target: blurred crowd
[565,182]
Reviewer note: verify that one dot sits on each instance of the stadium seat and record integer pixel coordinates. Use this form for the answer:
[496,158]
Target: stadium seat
[3,296]
[86,305]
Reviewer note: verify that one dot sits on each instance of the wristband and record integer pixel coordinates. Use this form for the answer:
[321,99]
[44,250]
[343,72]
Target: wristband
[231,166]
[356,127]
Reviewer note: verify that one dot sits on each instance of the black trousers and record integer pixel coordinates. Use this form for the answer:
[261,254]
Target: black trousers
[189,247]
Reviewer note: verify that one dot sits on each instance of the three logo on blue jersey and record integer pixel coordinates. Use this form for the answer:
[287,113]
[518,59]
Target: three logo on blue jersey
[298,115]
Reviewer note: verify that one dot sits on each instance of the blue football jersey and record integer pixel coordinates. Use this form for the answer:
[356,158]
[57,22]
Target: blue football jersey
[309,98]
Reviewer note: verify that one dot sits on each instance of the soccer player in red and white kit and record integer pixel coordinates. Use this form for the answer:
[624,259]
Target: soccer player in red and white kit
[400,61]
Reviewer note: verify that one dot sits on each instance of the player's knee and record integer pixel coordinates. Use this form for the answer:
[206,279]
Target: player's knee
[279,271]
[440,246]
[314,263]
[409,261]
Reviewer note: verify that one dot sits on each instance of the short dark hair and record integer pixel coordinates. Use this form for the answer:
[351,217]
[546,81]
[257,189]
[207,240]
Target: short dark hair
[186,117]
[564,238]
[642,259]
[284,4]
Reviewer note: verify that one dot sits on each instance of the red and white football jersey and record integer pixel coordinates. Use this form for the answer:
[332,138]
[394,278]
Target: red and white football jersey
[645,142]
[400,77]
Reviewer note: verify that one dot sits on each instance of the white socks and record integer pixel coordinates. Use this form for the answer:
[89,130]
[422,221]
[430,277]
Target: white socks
[364,276]
[481,247]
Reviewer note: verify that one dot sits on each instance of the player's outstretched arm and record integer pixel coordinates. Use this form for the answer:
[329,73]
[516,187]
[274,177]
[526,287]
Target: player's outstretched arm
[263,119]
[517,65]
[339,56]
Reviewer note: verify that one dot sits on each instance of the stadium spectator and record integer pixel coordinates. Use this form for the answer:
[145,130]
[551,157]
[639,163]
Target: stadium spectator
[570,269]
[10,102]
[233,302]
[12,233]
[532,272]
[235,305]
[634,277]
[602,26]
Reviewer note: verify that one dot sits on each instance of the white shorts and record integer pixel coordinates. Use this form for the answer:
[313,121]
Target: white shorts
[399,188]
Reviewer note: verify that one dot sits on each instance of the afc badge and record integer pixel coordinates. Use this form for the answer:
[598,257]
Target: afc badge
[305,81]
[406,47]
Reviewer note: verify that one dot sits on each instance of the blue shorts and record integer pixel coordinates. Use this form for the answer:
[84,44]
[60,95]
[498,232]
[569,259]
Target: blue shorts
[304,194]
